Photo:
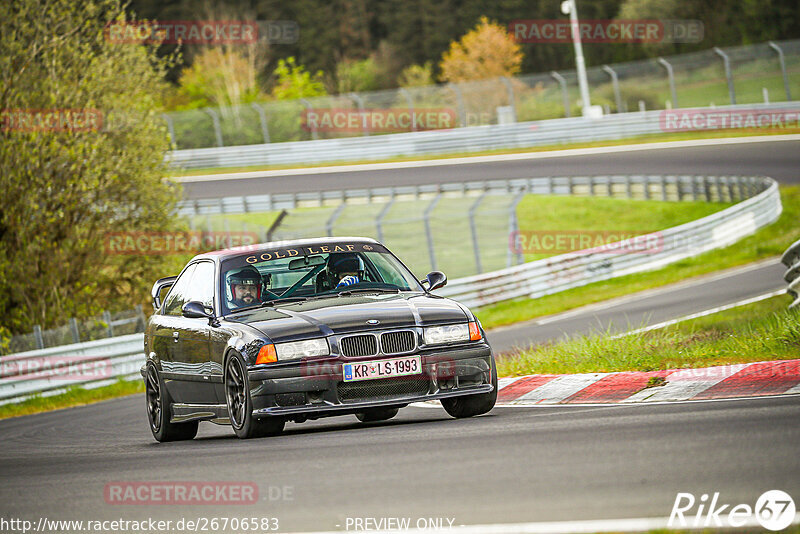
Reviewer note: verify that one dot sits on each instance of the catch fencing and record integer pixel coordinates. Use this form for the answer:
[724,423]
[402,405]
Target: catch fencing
[576,269]
[462,140]
[721,76]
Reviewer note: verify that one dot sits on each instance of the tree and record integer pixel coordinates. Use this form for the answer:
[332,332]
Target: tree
[294,81]
[219,78]
[64,190]
[416,75]
[487,51]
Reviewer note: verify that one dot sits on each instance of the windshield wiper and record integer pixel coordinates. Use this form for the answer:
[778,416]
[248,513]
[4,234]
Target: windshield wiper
[347,292]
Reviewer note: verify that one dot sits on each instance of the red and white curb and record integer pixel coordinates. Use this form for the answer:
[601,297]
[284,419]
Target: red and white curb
[722,382]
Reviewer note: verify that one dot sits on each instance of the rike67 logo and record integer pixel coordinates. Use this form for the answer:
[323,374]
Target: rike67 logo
[773,510]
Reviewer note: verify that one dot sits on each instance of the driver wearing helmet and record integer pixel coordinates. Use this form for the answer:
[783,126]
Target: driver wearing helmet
[345,269]
[246,286]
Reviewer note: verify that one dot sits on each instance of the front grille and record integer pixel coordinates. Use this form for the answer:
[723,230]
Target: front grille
[388,387]
[364,345]
[397,342]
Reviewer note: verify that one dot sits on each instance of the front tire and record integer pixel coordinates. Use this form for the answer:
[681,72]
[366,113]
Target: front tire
[472,405]
[159,405]
[240,404]
[377,414]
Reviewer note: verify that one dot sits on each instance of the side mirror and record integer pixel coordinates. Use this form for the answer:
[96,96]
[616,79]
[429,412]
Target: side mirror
[196,310]
[435,280]
[160,285]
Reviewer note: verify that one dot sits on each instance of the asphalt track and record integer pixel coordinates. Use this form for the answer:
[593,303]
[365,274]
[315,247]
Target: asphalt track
[529,464]
[777,159]
[513,465]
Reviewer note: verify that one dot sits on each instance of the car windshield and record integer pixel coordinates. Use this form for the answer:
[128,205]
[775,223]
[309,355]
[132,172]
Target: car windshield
[314,271]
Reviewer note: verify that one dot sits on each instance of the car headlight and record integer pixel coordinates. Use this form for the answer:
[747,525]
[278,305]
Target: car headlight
[302,349]
[436,335]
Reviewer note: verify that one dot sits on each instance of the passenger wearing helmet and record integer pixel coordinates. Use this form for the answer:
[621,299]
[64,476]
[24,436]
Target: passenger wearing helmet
[246,286]
[345,269]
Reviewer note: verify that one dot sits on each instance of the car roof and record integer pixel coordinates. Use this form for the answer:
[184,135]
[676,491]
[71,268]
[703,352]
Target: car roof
[220,255]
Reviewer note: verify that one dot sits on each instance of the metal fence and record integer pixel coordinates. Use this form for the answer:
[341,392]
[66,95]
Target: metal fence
[462,228]
[576,269]
[478,138]
[106,325]
[736,75]
[96,363]
[791,258]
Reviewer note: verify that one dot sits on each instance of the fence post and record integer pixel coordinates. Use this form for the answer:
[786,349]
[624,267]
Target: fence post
[474,230]
[263,118]
[564,94]
[109,326]
[332,219]
[170,129]
[671,76]
[782,61]
[513,226]
[663,188]
[462,112]
[511,99]
[73,327]
[405,92]
[307,104]
[726,61]
[355,97]
[382,215]
[428,232]
[217,128]
[37,335]
[615,82]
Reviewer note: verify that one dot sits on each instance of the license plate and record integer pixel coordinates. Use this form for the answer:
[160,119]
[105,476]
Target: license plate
[411,365]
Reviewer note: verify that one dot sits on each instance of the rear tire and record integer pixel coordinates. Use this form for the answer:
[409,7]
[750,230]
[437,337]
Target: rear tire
[472,405]
[159,408]
[240,404]
[377,414]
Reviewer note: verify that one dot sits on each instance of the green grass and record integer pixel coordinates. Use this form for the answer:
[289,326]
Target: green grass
[649,138]
[768,242]
[540,213]
[74,396]
[762,331]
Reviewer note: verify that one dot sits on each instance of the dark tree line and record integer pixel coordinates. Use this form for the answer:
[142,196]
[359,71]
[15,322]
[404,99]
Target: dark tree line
[404,32]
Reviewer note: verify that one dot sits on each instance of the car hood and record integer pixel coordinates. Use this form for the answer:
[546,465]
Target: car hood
[339,315]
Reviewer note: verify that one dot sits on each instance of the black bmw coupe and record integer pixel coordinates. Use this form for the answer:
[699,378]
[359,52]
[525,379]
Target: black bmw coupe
[299,330]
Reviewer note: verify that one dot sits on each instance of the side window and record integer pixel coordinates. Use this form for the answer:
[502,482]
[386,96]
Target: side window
[177,295]
[201,288]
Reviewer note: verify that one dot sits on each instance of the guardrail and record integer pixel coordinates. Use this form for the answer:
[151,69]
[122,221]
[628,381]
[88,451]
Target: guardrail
[89,364]
[791,259]
[100,362]
[576,269]
[468,139]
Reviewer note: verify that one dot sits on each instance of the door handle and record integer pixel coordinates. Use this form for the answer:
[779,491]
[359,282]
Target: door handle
[175,336]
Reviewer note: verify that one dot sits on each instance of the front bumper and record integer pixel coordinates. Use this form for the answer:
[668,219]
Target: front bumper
[315,389]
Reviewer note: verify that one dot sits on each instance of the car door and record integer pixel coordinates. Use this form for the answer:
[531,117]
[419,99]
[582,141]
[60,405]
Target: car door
[167,324]
[192,364]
